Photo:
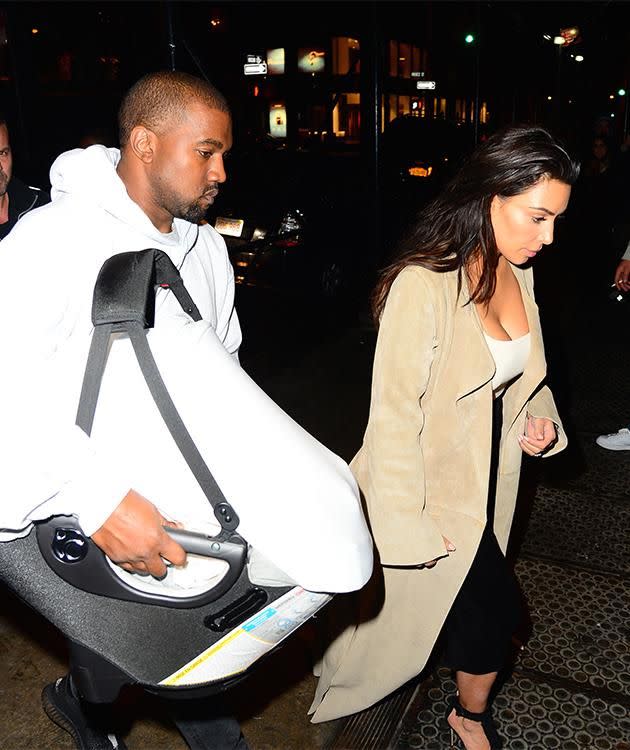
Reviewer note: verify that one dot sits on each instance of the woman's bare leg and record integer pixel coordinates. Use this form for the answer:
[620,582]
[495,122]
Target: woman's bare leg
[473,690]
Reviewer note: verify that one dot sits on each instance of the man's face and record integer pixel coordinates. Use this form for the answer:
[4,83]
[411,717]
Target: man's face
[6,159]
[187,166]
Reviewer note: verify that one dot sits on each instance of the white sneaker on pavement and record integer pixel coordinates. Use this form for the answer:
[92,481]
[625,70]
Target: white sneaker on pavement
[615,441]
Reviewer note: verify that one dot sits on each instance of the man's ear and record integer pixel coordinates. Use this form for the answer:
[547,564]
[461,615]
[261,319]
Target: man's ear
[142,143]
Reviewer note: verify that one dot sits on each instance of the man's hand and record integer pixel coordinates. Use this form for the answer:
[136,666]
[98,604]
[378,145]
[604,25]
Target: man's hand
[133,537]
[622,276]
[449,546]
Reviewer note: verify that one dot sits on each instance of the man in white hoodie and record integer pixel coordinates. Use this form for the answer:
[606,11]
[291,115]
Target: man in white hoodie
[175,130]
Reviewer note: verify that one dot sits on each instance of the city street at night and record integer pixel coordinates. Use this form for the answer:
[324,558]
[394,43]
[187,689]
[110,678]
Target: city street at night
[314,159]
[569,687]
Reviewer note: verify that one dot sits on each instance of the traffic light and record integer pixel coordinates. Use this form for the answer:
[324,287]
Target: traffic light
[469,38]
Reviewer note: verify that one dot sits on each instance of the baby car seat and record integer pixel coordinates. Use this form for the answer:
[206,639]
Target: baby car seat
[123,629]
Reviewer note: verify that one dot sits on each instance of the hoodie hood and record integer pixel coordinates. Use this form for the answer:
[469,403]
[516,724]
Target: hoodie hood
[89,175]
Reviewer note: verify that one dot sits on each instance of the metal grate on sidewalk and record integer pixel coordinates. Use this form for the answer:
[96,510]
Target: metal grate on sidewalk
[378,727]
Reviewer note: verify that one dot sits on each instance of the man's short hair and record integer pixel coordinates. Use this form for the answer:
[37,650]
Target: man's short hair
[161,97]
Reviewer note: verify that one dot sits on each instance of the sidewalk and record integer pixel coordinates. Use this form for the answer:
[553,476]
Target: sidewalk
[570,685]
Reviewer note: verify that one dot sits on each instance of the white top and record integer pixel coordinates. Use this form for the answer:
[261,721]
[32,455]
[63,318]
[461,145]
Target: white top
[509,358]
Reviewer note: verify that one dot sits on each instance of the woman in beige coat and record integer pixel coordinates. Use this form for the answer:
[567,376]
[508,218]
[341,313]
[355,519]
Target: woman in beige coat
[457,398]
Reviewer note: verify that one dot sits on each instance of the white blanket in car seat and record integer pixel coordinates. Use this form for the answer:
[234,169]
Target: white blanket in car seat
[298,502]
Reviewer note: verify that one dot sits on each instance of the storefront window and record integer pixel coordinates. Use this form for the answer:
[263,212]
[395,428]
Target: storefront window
[275,61]
[345,55]
[311,59]
[347,117]
[278,120]
[406,58]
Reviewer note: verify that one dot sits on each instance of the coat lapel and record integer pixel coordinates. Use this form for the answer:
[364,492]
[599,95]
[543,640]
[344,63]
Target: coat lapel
[536,366]
[479,367]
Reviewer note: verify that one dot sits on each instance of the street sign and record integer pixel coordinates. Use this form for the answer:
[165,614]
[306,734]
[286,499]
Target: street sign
[425,84]
[255,69]
[417,74]
[254,59]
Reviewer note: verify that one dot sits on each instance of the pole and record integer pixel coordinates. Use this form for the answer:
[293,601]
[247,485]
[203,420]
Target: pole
[371,94]
[477,73]
[16,43]
[171,35]
[558,101]
[477,95]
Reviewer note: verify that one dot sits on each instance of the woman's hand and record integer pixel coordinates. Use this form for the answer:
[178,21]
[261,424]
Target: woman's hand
[540,435]
[449,546]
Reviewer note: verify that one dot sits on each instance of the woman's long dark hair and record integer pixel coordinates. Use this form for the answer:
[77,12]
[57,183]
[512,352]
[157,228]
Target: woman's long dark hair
[455,228]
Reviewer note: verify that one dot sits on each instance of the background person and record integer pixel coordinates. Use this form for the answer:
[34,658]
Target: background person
[620,440]
[16,198]
[458,396]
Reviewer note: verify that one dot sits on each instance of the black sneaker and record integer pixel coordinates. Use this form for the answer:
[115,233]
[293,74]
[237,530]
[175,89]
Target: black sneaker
[63,706]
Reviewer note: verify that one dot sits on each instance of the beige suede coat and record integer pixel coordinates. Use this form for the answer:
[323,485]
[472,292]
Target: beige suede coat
[424,470]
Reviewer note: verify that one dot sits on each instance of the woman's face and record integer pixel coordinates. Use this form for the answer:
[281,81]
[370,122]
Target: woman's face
[524,223]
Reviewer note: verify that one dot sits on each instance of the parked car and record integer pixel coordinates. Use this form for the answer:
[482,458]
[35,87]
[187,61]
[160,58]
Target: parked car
[419,156]
[291,221]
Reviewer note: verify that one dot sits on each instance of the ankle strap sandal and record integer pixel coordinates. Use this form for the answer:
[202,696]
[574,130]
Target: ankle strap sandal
[484,718]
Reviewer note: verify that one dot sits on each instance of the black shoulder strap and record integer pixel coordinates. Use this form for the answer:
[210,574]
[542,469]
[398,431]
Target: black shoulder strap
[124,299]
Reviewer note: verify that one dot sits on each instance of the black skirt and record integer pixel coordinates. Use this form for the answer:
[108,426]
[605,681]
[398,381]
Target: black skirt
[479,626]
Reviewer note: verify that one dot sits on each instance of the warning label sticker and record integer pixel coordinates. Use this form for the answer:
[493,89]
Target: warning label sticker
[241,647]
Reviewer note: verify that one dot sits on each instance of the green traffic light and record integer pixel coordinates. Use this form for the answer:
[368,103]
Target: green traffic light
[469,38]
[622,92]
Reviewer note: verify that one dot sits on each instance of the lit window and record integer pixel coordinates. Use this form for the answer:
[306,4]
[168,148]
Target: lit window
[275,61]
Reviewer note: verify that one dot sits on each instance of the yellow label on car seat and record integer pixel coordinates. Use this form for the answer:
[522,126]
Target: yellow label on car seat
[241,647]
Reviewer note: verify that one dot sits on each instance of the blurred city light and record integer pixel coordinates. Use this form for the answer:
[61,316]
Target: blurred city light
[559,40]
[579,58]
[622,92]
[570,35]
[469,38]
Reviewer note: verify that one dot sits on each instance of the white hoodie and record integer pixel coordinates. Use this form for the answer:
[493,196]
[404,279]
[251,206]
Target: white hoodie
[298,502]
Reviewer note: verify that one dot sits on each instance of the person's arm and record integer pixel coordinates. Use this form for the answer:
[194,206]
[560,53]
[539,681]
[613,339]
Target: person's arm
[622,272]
[48,465]
[403,531]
